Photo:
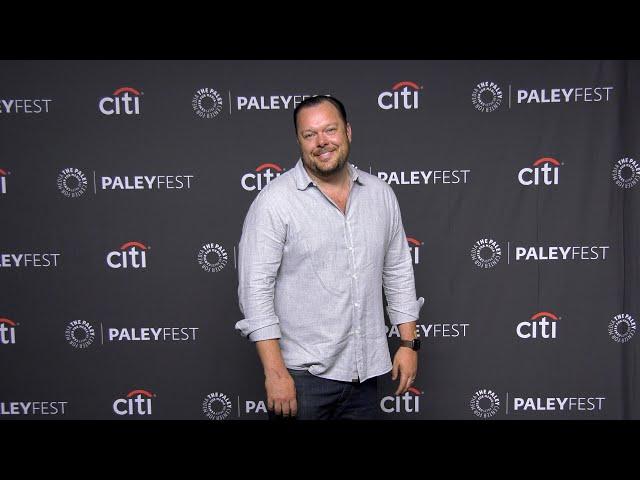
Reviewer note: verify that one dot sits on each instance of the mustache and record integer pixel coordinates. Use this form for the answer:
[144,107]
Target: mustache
[320,151]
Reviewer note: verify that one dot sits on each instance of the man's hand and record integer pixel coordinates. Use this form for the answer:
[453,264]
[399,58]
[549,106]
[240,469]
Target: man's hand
[405,363]
[281,394]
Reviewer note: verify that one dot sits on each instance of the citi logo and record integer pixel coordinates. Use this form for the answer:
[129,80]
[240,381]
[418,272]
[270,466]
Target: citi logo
[622,328]
[484,403]
[414,248]
[125,100]
[80,334]
[486,97]
[261,177]
[72,183]
[137,402]
[130,255]
[407,403]
[626,173]
[7,332]
[486,253]
[216,406]
[548,173]
[540,325]
[403,95]
[3,181]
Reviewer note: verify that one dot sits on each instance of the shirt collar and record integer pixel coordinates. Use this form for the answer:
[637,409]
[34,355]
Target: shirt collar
[303,180]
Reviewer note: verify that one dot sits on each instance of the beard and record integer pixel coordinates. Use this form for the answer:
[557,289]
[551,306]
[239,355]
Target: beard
[325,170]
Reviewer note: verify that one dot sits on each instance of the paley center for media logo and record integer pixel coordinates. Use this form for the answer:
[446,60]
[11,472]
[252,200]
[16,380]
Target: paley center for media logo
[123,101]
[81,334]
[544,171]
[261,177]
[72,182]
[212,257]
[402,96]
[24,105]
[540,325]
[487,95]
[486,253]
[216,406]
[7,331]
[484,403]
[207,103]
[409,402]
[626,173]
[3,181]
[622,328]
[137,402]
[130,255]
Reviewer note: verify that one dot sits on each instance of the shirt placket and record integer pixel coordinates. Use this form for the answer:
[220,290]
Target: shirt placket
[357,330]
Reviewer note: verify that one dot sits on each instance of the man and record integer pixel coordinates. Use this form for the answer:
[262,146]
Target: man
[318,244]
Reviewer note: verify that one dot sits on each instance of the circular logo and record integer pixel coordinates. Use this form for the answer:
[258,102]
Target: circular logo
[80,334]
[72,182]
[212,257]
[486,97]
[486,253]
[207,103]
[622,328]
[485,403]
[216,406]
[626,173]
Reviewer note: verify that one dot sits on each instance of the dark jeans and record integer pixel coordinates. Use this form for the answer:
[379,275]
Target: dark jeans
[324,399]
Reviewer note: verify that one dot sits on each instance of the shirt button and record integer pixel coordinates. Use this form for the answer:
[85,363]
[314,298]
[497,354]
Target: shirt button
[357,304]
[355,275]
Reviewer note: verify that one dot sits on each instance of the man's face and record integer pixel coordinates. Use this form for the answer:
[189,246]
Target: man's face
[324,139]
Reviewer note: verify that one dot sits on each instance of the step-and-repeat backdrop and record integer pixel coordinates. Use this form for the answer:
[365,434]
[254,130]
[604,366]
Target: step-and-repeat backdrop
[124,186]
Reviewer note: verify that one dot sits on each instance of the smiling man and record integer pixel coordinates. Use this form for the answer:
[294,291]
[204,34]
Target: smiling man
[318,245]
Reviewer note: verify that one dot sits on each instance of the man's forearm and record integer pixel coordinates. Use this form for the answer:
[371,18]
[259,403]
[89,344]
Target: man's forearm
[407,330]
[271,357]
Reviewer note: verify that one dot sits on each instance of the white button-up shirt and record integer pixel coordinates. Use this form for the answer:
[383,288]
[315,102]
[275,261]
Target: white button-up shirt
[313,277]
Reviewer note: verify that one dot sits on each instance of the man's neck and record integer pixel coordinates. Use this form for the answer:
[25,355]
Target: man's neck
[337,180]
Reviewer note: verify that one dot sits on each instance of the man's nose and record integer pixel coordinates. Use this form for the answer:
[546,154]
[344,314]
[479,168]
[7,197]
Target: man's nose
[321,139]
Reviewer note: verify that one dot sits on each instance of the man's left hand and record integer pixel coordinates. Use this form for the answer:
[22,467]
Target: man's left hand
[405,364]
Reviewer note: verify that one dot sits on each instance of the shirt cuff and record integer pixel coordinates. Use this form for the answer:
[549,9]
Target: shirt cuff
[249,326]
[408,312]
[266,333]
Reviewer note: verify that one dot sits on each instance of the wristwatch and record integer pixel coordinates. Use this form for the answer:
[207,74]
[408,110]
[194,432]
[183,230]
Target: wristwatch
[412,344]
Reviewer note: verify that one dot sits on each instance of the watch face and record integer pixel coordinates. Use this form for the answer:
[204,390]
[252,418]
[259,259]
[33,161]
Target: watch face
[416,344]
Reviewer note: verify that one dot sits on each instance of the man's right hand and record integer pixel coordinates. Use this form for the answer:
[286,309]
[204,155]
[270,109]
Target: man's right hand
[281,394]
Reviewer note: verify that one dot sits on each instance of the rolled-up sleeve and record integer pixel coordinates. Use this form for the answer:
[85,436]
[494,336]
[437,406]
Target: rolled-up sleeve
[397,275]
[259,256]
